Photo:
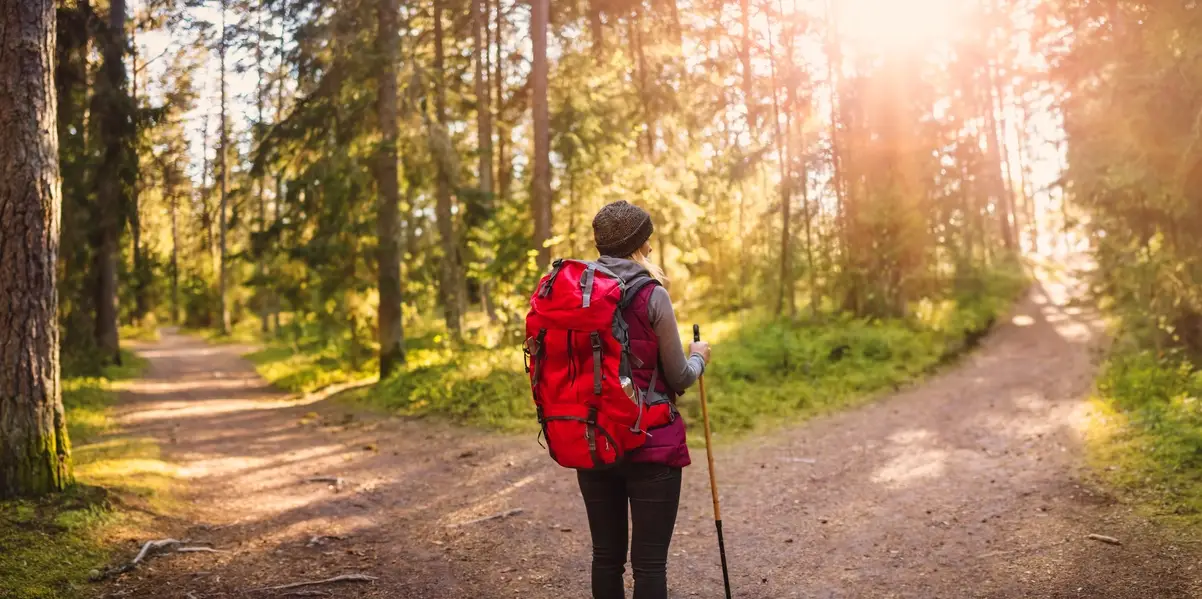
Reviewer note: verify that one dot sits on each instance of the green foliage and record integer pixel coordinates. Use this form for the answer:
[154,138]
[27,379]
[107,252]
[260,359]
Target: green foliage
[1131,118]
[306,368]
[1148,437]
[472,385]
[772,370]
[766,371]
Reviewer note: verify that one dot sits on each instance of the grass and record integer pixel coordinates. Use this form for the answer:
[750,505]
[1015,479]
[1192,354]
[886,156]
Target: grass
[148,330]
[247,330]
[1146,437]
[48,546]
[307,367]
[766,371]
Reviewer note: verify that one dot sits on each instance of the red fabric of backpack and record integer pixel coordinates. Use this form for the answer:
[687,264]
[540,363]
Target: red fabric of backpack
[578,356]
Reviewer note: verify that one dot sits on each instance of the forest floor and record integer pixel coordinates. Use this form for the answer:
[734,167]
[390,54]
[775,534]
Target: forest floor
[972,484]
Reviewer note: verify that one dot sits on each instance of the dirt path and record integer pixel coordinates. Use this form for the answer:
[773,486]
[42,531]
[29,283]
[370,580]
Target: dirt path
[967,486]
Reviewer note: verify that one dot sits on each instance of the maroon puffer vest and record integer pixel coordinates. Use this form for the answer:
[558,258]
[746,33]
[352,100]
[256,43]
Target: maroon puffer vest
[666,444]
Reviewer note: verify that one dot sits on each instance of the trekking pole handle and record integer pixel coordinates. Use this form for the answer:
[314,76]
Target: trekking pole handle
[697,333]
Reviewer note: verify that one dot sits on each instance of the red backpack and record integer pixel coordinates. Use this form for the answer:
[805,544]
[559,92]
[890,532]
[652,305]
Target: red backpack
[578,358]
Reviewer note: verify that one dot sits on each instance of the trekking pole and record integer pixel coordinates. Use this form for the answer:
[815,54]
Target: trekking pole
[709,454]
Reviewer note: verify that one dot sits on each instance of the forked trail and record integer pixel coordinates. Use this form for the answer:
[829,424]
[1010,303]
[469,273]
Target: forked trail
[970,485]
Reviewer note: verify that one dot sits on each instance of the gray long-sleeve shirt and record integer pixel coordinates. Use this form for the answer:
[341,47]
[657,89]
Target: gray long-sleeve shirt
[679,371]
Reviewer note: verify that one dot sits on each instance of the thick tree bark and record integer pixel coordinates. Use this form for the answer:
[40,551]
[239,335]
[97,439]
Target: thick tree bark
[113,180]
[34,448]
[453,293]
[225,182]
[541,184]
[388,226]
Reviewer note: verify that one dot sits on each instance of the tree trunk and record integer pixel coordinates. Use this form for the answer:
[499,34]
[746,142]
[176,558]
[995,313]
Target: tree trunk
[391,327]
[483,126]
[451,284]
[225,182]
[261,183]
[745,58]
[834,66]
[483,104]
[541,184]
[35,453]
[504,167]
[1024,169]
[113,184]
[785,298]
[206,214]
[647,139]
[998,129]
[141,277]
[71,74]
[596,29]
[170,192]
[279,174]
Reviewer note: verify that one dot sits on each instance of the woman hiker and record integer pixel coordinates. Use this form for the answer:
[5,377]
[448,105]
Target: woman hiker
[649,480]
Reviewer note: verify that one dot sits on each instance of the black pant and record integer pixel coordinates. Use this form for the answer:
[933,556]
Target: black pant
[653,492]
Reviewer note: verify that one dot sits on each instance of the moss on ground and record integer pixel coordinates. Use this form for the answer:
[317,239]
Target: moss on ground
[48,546]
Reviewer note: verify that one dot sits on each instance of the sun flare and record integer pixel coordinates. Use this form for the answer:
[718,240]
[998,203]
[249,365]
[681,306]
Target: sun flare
[894,25]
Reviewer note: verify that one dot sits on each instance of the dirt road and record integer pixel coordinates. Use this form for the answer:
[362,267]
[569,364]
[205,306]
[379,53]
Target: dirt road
[970,485]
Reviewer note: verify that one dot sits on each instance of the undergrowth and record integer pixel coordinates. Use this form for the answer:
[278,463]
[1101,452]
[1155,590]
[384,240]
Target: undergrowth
[48,546]
[765,370]
[1147,436]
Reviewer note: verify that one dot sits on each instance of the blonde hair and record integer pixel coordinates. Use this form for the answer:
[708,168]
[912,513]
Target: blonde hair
[657,273]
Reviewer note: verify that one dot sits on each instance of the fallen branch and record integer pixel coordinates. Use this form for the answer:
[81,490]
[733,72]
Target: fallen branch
[1104,539]
[306,594]
[333,480]
[199,550]
[151,545]
[497,516]
[146,549]
[343,578]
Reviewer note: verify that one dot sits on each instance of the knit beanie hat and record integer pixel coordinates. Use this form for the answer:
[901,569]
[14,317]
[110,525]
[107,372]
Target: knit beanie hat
[621,228]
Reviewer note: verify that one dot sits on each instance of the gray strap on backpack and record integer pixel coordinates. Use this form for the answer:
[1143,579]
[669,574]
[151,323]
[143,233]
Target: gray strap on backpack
[586,284]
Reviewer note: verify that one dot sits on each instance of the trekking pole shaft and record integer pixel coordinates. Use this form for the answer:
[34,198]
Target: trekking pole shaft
[709,452]
[709,456]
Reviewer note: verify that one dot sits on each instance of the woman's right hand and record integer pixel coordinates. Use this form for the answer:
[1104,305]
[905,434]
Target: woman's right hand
[702,349]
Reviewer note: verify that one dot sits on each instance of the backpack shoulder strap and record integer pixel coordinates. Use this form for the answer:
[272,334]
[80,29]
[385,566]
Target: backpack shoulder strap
[632,289]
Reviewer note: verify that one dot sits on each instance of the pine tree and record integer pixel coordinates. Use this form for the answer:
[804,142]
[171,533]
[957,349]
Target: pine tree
[35,452]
